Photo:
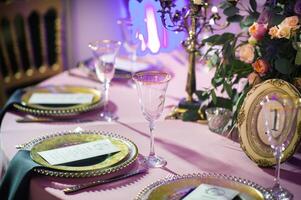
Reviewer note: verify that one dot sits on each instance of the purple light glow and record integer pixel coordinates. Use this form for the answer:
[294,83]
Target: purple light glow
[147,22]
[153,38]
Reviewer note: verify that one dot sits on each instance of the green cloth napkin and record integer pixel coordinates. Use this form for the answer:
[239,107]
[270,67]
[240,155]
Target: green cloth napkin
[14,98]
[16,181]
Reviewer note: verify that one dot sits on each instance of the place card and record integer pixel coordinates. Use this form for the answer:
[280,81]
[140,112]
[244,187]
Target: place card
[78,152]
[60,98]
[211,192]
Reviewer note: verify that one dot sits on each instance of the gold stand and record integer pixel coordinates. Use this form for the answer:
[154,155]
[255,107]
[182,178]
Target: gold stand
[190,46]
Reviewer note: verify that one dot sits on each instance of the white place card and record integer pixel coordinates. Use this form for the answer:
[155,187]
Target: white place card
[60,98]
[78,152]
[211,192]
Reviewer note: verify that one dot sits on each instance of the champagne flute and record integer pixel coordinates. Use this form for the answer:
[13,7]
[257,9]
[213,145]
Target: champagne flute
[280,118]
[151,87]
[105,52]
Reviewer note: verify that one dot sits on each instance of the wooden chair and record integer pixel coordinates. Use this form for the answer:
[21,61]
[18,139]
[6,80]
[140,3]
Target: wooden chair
[30,43]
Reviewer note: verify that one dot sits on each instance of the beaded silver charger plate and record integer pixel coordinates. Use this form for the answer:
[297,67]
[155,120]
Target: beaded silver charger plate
[59,110]
[86,168]
[177,187]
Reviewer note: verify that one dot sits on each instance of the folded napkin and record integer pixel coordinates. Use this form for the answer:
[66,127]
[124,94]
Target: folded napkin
[16,181]
[14,98]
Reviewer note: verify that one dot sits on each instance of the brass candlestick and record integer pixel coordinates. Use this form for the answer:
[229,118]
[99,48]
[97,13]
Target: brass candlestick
[190,47]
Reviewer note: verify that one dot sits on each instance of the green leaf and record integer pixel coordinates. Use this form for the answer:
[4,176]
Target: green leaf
[283,66]
[212,39]
[224,103]
[228,88]
[202,95]
[227,49]
[253,5]
[239,102]
[249,20]
[217,82]
[213,95]
[191,115]
[224,5]
[214,59]
[235,18]
[225,37]
[231,11]
[276,19]
[298,57]
[219,39]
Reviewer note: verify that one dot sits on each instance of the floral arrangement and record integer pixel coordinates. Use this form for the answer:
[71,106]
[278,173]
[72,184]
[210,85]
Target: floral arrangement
[269,46]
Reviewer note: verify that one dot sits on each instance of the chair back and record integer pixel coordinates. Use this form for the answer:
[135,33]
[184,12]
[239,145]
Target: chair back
[30,43]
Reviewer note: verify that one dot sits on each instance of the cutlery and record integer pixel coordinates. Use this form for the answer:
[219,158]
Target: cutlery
[78,187]
[38,119]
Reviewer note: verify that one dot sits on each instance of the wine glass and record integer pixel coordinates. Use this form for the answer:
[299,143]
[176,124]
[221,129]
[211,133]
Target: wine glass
[104,52]
[131,41]
[280,117]
[151,87]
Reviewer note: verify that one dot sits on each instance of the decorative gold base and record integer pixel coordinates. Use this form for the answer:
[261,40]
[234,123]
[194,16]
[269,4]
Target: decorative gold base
[184,105]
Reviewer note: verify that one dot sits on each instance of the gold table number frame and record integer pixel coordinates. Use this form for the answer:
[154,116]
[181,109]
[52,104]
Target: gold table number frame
[253,139]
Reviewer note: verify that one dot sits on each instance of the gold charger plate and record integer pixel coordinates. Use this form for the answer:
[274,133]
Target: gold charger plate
[177,187]
[87,168]
[58,110]
[253,139]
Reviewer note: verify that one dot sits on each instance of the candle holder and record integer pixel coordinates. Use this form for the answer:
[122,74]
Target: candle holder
[195,18]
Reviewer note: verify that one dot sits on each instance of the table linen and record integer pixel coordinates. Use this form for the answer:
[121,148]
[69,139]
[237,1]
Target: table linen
[188,147]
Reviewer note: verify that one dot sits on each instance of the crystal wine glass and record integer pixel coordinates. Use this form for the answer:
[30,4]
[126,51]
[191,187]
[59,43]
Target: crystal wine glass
[151,87]
[105,52]
[131,41]
[280,117]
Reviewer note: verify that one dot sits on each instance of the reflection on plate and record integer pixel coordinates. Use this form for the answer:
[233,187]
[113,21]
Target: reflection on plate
[252,135]
[176,187]
[87,168]
[58,110]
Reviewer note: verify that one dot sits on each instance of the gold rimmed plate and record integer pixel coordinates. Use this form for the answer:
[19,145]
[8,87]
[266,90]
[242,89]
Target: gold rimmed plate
[59,110]
[86,168]
[177,187]
[252,134]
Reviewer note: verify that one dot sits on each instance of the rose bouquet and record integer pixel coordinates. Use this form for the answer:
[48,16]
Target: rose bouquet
[268,46]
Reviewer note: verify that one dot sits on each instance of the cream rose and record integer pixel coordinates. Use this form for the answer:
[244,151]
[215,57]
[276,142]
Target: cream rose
[245,53]
[291,22]
[273,31]
[284,32]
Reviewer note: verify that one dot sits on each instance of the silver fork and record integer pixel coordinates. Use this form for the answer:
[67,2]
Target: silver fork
[78,187]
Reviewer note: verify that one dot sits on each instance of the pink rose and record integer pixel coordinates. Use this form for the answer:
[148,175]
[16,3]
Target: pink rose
[254,78]
[258,30]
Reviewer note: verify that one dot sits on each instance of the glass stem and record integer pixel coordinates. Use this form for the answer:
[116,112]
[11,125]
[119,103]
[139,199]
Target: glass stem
[278,154]
[133,61]
[106,86]
[152,142]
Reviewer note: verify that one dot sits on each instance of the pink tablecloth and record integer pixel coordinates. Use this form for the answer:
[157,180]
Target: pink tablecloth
[187,147]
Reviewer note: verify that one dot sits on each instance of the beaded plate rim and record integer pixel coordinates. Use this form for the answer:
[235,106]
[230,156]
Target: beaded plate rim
[144,193]
[61,112]
[133,154]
